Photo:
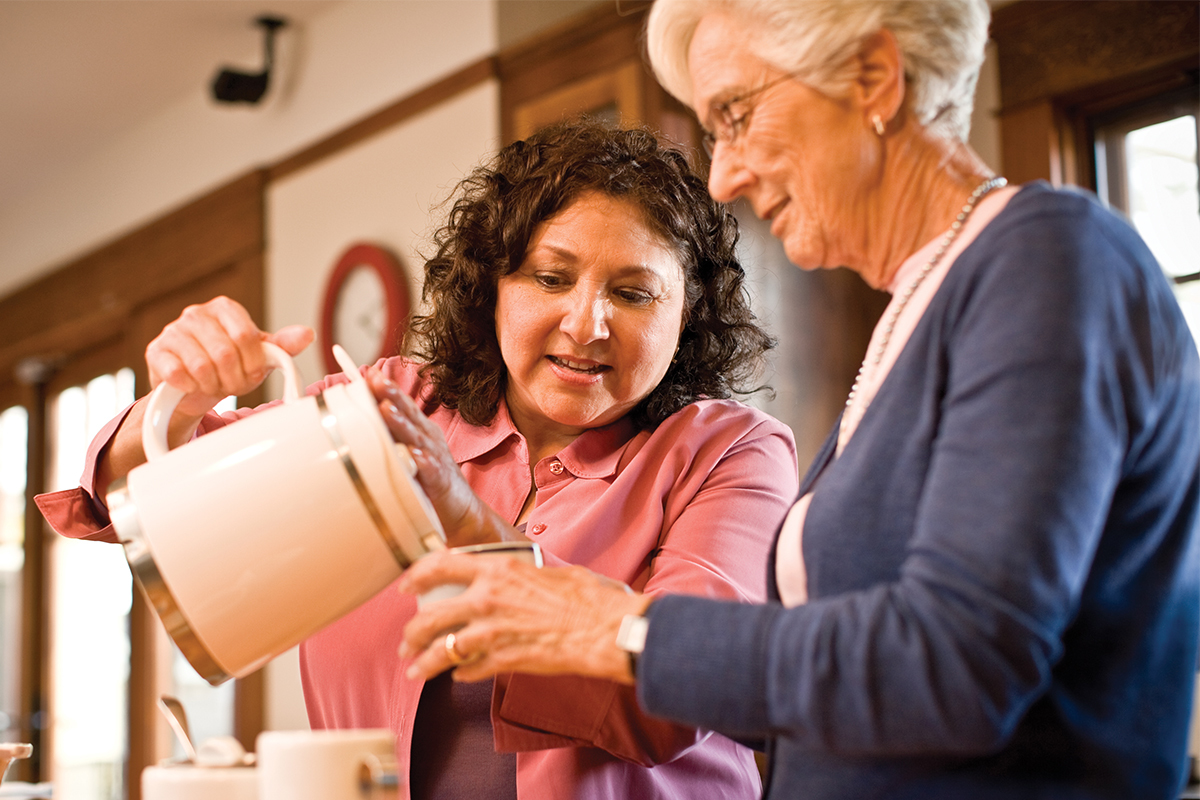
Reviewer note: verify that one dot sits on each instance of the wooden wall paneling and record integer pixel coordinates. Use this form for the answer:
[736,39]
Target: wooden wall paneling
[180,247]
[588,63]
[34,664]
[12,393]
[102,358]
[54,346]
[570,66]
[1050,48]
[618,87]
[1029,144]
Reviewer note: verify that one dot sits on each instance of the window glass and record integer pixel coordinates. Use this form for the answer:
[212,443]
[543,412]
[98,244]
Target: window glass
[1164,201]
[14,428]
[91,593]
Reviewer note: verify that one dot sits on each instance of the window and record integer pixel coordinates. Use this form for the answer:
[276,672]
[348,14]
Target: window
[91,595]
[1147,166]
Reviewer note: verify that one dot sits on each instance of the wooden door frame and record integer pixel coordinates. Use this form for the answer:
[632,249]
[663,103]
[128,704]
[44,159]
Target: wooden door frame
[1064,61]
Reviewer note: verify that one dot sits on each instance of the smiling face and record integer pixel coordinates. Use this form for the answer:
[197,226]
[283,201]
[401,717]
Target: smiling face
[590,321]
[801,159]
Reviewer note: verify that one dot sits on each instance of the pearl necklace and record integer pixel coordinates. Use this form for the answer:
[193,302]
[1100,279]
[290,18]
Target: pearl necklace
[872,359]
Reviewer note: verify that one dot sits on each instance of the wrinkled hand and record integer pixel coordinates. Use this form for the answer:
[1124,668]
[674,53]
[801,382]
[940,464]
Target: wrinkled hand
[213,351]
[514,617]
[465,518]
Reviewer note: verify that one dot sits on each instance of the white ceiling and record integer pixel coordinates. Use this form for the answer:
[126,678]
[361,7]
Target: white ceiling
[77,72]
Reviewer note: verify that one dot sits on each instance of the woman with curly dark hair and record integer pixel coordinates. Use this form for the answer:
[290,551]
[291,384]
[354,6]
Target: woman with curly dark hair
[585,325]
[495,216]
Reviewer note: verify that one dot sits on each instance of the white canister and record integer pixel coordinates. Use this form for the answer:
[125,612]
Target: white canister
[327,765]
[250,539]
[187,781]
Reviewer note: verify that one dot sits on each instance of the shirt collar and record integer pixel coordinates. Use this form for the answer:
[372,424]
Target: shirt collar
[595,454]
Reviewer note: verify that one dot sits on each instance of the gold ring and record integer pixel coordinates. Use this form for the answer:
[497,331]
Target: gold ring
[451,645]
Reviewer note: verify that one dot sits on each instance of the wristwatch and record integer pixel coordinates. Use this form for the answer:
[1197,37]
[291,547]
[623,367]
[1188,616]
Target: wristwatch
[631,637]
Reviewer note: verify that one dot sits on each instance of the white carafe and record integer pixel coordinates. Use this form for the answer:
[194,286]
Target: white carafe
[253,537]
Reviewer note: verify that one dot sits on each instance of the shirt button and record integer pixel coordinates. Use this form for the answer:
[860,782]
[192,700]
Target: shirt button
[538,528]
[556,467]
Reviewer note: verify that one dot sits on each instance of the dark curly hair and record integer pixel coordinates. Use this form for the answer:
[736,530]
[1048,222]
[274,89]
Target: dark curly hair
[495,212]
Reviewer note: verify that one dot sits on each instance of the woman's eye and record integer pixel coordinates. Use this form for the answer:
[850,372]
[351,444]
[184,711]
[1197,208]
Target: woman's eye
[548,280]
[634,296]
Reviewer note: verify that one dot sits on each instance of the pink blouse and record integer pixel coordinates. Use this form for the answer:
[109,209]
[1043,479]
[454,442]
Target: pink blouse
[690,507]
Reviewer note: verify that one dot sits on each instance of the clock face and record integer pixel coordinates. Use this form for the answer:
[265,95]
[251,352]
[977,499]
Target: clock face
[360,315]
[365,307]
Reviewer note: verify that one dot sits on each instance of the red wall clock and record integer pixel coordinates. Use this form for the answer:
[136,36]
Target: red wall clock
[366,305]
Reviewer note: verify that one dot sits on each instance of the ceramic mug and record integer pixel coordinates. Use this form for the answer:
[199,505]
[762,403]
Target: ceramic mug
[250,539]
[187,781]
[529,552]
[327,765]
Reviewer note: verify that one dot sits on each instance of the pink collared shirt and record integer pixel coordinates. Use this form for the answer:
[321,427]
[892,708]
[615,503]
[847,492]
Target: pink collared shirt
[688,508]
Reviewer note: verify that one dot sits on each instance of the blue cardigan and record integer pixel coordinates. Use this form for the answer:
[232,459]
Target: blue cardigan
[1003,562]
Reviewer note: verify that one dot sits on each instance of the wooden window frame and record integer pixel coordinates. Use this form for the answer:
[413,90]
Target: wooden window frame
[1064,62]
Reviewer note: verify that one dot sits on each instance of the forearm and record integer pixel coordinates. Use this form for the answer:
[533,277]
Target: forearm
[125,451]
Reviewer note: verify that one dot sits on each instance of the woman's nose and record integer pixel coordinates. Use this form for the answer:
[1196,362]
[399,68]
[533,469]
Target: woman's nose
[728,176]
[586,317]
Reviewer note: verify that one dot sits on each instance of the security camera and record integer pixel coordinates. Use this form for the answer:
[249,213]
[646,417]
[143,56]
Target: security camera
[235,86]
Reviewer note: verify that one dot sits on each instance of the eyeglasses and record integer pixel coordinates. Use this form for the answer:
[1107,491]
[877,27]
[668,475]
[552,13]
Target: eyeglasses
[725,126]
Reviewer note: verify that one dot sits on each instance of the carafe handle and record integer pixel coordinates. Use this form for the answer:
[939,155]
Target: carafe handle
[166,397]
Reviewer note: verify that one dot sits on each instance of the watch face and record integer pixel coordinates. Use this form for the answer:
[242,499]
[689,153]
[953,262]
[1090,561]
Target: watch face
[361,314]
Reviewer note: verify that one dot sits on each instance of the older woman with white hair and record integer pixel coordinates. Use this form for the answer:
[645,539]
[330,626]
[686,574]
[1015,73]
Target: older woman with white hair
[989,585]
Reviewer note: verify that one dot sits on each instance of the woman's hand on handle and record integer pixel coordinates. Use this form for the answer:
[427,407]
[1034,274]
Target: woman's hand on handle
[213,351]
[210,352]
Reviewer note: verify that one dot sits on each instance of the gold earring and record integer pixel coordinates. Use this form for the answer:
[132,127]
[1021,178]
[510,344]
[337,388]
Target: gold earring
[877,121]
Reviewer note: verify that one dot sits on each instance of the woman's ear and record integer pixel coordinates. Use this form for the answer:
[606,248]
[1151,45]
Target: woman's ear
[879,86]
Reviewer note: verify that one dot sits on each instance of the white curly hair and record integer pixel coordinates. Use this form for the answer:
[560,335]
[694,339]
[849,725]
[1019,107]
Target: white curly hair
[942,43]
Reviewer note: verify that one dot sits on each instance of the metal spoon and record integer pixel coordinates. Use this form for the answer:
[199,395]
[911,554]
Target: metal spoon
[172,709]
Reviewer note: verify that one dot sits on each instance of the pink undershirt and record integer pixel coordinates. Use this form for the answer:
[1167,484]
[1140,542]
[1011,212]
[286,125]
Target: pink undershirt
[790,575]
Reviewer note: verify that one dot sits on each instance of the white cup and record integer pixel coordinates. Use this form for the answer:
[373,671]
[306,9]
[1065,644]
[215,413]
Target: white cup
[529,552]
[184,781]
[327,765]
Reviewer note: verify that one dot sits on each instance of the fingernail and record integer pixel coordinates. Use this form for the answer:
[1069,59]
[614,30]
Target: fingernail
[416,452]
[412,673]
